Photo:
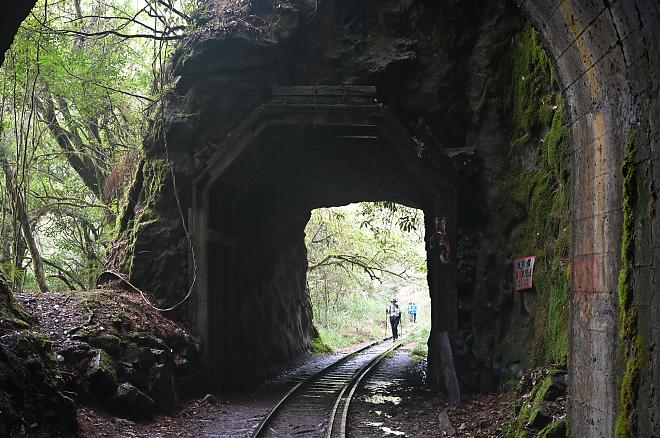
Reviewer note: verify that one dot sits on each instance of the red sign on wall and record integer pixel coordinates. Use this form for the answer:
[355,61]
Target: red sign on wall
[523,271]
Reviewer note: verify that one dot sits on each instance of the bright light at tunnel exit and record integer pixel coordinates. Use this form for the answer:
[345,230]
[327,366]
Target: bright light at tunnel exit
[360,257]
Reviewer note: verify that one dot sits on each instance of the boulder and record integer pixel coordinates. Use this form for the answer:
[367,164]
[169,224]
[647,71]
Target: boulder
[557,387]
[133,374]
[105,341]
[540,416]
[133,404]
[162,387]
[102,375]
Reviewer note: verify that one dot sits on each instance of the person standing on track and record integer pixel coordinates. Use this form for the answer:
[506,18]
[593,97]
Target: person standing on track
[395,318]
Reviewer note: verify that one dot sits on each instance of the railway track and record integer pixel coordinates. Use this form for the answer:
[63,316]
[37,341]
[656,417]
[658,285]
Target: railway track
[319,405]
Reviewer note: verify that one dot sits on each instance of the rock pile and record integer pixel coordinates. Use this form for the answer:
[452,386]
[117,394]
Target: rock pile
[116,352]
[31,400]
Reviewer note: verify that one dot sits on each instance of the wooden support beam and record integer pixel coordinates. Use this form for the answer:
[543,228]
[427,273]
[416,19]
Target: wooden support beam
[468,150]
[324,90]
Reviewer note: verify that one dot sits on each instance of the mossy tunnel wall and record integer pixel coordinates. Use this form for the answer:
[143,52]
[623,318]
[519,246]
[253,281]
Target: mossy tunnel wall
[439,61]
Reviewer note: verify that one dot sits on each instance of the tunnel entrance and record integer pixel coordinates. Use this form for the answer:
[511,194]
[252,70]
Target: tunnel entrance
[309,147]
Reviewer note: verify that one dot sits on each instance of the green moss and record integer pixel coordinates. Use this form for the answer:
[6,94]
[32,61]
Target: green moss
[128,202]
[531,76]
[107,366]
[152,177]
[632,343]
[552,430]
[553,153]
[320,347]
[18,323]
[11,311]
[31,341]
[539,398]
[533,197]
[530,408]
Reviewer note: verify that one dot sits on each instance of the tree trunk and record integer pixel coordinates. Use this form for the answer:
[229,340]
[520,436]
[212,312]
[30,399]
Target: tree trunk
[81,157]
[24,221]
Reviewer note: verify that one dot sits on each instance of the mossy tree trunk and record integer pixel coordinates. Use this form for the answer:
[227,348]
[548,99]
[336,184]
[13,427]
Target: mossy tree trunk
[23,219]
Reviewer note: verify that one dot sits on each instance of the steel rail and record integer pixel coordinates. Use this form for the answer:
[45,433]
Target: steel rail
[311,379]
[353,384]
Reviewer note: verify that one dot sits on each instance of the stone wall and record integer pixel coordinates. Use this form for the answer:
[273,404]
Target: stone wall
[514,203]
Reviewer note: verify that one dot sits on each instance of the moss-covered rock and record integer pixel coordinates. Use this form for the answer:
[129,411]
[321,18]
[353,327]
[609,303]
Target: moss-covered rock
[129,402]
[145,340]
[529,191]
[106,342]
[162,387]
[535,410]
[102,374]
[558,429]
[31,401]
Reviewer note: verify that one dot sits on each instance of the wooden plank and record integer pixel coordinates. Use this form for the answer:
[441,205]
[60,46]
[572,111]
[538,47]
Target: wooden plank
[222,238]
[324,90]
[323,100]
[448,370]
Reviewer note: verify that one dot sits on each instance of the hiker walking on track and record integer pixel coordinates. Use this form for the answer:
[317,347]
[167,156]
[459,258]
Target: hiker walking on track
[395,317]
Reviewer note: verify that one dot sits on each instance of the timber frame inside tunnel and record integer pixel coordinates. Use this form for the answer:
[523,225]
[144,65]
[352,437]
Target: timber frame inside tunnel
[332,117]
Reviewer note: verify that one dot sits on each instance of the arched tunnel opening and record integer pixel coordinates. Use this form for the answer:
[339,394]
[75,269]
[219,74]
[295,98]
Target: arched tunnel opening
[254,202]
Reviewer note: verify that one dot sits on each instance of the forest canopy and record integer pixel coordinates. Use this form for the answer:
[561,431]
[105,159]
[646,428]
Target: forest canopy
[360,256]
[75,89]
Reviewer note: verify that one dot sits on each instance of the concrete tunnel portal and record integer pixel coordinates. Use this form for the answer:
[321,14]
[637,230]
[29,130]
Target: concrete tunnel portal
[308,148]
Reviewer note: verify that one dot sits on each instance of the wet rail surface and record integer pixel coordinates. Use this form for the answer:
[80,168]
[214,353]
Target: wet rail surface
[319,405]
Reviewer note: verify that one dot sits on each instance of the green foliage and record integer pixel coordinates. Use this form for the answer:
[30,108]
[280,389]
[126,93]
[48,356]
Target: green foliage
[359,257]
[421,350]
[73,93]
[320,347]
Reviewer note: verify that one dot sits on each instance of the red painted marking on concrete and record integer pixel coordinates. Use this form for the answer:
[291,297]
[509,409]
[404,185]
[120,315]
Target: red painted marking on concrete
[588,275]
